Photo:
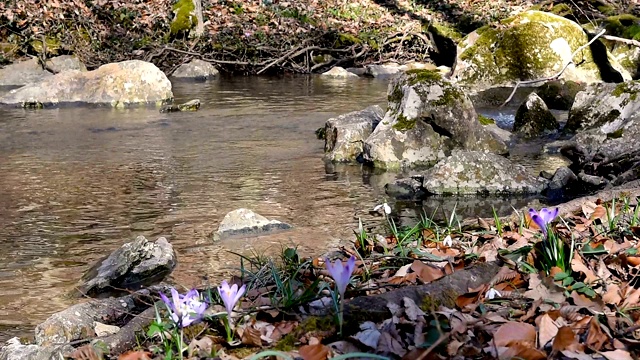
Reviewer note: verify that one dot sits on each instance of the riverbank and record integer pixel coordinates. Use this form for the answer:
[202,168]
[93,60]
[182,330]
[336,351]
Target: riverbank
[250,38]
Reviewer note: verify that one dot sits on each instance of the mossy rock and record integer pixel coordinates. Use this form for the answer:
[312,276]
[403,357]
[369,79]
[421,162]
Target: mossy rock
[528,46]
[533,118]
[559,94]
[185,18]
[626,26]
[53,46]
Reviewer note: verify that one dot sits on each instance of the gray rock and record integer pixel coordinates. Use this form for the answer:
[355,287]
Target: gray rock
[117,84]
[338,72]
[382,71]
[562,177]
[345,135]
[65,62]
[244,222]
[132,266]
[196,70]
[533,118]
[14,350]
[604,107]
[530,45]
[78,321]
[192,105]
[592,180]
[22,73]
[474,172]
[104,329]
[407,188]
[559,94]
[357,71]
[427,118]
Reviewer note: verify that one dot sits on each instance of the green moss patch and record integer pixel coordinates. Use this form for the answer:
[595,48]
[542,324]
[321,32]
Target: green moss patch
[626,26]
[485,120]
[185,18]
[404,124]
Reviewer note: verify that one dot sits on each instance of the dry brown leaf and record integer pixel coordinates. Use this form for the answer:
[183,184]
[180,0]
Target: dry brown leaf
[598,213]
[314,352]
[426,273]
[587,302]
[596,338]
[613,295]
[515,331]
[565,340]
[544,288]
[469,298]
[525,351]
[251,336]
[617,355]
[548,330]
[86,352]
[578,265]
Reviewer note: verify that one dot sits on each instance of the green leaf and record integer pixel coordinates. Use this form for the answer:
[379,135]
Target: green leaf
[588,291]
[632,251]
[567,281]
[578,285]
[561,276]
[154,329]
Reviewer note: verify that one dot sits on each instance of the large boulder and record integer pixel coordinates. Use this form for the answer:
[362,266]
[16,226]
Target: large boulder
[531,45]
[345,135]
[31,71]
[117,84]
[22,73]
[244,222]
[533,118]
[196,69]
[474,172]
[427,118]
[132,266]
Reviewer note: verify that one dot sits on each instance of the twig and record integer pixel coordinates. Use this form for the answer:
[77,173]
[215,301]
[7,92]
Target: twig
[555,76]
[622,40]
[428,351]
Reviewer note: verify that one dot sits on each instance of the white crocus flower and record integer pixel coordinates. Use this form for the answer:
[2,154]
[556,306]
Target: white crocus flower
[385,206]
[492,293]
[447,241]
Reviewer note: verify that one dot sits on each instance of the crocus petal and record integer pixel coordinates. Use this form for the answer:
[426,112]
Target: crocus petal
[538,220]
[166,300]
[239,294]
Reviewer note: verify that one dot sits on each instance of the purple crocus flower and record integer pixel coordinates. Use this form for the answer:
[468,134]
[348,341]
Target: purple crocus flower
[341,274]
[185,309]
[543,218]
[230,295]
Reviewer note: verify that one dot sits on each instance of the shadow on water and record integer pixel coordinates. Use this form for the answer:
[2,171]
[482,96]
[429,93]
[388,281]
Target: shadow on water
[76,183]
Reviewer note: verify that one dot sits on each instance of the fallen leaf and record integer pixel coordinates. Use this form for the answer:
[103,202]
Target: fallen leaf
[411,309]
[388,344]
[596,338]
[314,352]
[369,335]
[544,288]
[577,264]
[251,336]
[87,352]
[518,350]
[515,331]
[135,355]
[617,355]
[548,330]
[613,295]
[426,273]
[565,340]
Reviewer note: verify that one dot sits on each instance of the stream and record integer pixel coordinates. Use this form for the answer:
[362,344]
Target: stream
[76,183]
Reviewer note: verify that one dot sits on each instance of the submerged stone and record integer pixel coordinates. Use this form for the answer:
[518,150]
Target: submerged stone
[192,105]
[559,94]
[244,222]
[132,266]
[533,118]
[474,172]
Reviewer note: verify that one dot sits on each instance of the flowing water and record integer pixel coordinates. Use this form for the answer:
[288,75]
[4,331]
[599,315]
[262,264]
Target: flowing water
[76,183]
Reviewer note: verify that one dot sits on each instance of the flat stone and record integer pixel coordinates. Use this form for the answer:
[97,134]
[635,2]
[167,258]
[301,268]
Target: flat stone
[244,222]
[345,134]
[196,70]
[132,266]
[104,329]
[14,350]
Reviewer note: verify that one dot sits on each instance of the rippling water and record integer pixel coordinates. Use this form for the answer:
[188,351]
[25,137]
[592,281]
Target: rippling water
[76,183]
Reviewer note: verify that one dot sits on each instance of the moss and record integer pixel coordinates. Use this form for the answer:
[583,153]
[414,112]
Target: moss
[345,39]
[446,298]
[626,88]
[32,105]
[423,75]
[185,18]
[485,120]
[321,133]
[396,95]
[626,26]
[561,10]
[606,10]
[403,123]
[53,45]
[445,30]
[287,343]
[615,134]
